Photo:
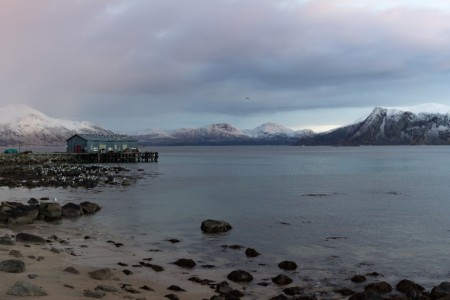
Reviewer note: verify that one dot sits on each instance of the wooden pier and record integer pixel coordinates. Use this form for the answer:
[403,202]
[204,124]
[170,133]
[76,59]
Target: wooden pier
[116,157]
[81,158]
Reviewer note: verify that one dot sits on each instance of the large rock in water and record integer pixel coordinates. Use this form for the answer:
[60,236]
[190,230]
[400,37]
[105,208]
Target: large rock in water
[71,210]
[214,226]
[50,210]
[441,291]
[22,214]
[89,207]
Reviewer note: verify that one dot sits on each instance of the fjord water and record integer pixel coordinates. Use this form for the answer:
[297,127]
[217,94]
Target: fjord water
[336,211]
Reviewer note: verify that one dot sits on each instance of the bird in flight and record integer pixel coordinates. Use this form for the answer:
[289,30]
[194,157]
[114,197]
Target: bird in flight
[247,98]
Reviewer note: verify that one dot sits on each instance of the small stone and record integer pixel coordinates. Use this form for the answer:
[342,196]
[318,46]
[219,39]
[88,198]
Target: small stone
[172,297]
[345,292]
[185,263]
[127,272]
[94,294]
[280,297]
[381,287]
[107,288]
[71,270]
[250,252]
[281,280]
[176,288]
[147,288]
[287,265]
[130,290]
[174,241]
[405,285]
[16,253]
[358,278]
[214,226]
[292,291]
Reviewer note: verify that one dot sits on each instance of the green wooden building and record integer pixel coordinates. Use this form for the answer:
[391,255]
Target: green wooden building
[99,143]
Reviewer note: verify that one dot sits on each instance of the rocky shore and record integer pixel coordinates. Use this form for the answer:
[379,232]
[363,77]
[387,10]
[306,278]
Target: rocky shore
[39,261]
[51,174]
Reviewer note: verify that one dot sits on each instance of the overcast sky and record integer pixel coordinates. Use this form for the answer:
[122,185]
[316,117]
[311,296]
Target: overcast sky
[137,64]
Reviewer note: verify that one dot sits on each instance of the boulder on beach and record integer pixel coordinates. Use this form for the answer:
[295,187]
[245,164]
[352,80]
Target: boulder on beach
[240,276]
[12,266]
[215,226]
[7,240]
[29,238]
[185,263]
[23,289]
[101,274]
[281,280]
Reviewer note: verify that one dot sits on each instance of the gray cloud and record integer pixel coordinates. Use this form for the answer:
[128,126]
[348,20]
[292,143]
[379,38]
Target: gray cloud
[91,59]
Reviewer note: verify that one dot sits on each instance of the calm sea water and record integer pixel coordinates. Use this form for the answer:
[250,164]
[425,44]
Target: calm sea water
[336,211]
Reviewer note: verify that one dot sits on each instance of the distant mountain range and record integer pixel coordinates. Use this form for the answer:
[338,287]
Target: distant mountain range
[224,134]
[25,125]
[388,127]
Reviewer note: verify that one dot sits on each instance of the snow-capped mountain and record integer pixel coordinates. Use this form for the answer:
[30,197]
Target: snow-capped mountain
[389,127]
[224,134]
[268,130]
[26,125]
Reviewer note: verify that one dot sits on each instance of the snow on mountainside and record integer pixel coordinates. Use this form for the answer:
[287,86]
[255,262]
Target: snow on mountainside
[21,123]
[390,127]
[269,129]
[223,134]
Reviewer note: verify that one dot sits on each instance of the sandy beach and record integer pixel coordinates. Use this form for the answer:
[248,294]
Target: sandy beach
[46,267]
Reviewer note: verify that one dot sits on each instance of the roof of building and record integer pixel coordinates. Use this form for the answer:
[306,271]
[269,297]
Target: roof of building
[105,137]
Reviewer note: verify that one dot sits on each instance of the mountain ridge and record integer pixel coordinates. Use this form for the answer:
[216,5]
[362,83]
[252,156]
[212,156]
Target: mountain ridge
[22,124]
[385,126]
[25,125]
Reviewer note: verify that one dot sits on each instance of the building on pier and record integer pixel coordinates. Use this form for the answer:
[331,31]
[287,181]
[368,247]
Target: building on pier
[100,143]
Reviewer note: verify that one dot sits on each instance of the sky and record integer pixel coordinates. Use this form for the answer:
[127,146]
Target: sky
[164,64]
